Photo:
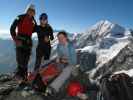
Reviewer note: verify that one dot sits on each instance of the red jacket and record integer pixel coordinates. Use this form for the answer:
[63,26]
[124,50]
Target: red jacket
[24,25]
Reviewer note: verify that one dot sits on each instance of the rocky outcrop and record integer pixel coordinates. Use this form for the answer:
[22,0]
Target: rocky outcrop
[123,61]
[7,85]
[9,90]
[23,95]
[86,60]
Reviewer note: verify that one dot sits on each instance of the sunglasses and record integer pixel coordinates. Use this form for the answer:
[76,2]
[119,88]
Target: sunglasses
[43,19]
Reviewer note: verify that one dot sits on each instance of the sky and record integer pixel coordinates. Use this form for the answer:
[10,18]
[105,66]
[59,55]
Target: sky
[70,15]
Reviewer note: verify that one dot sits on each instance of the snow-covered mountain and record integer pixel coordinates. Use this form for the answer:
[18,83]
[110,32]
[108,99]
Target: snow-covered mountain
[106,39]
[102,36]
[100,30]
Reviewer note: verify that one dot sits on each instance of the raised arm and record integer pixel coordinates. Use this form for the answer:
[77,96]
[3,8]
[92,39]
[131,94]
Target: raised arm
[51,33]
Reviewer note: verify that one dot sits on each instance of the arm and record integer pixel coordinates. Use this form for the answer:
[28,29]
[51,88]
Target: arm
[73,54]
[58,54]
[13,28]
[35,26]
[51,33]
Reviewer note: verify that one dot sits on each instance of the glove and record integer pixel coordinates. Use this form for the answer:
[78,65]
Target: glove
[46,39]
[64,60]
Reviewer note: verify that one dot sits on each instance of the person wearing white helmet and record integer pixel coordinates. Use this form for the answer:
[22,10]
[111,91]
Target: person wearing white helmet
[31,10]
[21,31]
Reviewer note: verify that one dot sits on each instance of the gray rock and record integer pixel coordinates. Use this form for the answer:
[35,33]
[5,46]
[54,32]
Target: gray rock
[107,43]
[86,60]
[5,77]
[7,85]
[23,95]
[9,91]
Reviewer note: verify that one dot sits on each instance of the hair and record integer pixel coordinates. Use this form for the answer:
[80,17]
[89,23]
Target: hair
[62,33]
[31,10]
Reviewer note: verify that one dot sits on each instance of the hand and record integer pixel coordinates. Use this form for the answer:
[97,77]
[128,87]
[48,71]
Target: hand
[18,43]
[82,96]
[46,39]
[57,60]
[64,60]
[47,78]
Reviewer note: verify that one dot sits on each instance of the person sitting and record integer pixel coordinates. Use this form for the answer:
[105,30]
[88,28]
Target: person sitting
[66,60]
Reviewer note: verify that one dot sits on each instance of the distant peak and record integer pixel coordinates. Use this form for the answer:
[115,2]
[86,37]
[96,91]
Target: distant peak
[104,22]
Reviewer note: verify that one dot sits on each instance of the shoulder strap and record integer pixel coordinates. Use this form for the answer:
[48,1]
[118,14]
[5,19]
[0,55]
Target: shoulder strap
[20,18]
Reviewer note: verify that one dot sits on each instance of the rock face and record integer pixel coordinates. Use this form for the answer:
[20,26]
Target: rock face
[21,95]
[7,85]
[9,90]
[86,60]
[107,43]
[110,42]
[123,61]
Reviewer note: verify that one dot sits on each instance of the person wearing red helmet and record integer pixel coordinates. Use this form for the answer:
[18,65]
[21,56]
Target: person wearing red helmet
[66,60]
[76,89]
[21,31]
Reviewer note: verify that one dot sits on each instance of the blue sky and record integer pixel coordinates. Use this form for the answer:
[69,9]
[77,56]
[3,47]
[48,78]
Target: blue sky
[71,15]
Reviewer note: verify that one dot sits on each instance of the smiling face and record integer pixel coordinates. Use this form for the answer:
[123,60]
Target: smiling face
[62,39]
[43,22]
[31,12]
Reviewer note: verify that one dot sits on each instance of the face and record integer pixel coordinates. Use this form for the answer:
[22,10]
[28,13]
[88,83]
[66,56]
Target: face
[43,21]
[31,13]
[62,39]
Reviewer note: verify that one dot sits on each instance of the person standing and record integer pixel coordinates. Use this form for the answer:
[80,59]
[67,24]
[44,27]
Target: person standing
[45,35]
[21,31]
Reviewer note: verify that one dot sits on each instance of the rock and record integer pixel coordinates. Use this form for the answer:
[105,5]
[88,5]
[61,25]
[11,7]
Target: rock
[107,43]
[7,85]
[117,31]
[5,90]
[5,77]
[9,91]
[21,95]
[86,60]
[131,31]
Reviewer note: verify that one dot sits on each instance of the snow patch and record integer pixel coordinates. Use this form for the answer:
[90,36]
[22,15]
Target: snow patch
[129,72]
[105,55]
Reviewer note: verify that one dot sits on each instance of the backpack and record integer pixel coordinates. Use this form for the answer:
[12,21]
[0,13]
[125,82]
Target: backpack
[44,77]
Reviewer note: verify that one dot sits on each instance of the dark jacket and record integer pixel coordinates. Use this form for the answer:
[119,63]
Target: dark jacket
[43,32]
